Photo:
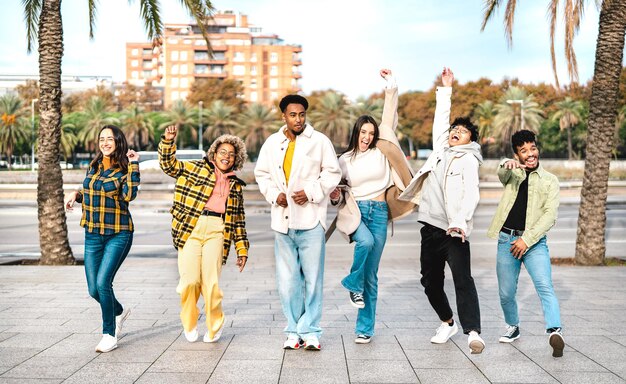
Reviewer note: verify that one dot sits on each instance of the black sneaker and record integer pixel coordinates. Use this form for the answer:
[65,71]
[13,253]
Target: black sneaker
[556,341]
[511,334]
[363,339]
[356,299]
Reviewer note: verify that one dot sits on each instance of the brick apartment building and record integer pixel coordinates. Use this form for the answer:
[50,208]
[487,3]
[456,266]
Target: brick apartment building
[266,66]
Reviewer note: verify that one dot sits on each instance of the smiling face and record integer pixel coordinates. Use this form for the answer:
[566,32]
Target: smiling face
[459,135]
[224,158]
[366,136]
[528,154]
[295,118]
[107,142]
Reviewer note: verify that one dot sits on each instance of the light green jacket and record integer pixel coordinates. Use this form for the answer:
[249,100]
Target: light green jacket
[543,202]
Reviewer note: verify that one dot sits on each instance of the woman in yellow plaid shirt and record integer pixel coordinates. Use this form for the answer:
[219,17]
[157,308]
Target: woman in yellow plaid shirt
[111,183]
[207,216]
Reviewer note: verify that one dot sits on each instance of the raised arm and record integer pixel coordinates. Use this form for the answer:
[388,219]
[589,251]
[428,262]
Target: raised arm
[167,153]
[441,123]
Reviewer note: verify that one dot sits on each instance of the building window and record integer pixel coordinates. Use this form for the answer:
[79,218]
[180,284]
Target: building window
[183,55]
[253,70]
[219,56]
[274,70]
[274,95]
[184,83]
[183,95]
[239,70]
[134,52]
[201,69]
[175,69]
[146,52]
[134,74]
[172,40]
[217,69]
[147,74]
[274,83]
[174,55]
[183,69]
[253,57]
[134,63]
[201,55]
[253,83]
[175,95]
[274,57]
[174,82]
[200,42]
[238,56]
[253,96]
[187,41]
[147,64]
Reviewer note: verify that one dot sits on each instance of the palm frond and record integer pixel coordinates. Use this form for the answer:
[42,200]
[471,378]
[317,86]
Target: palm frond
[489,7]
[92,17]
[151,15]
[552,15]
[201,11]
[32,10]
[571,28]
[509,18]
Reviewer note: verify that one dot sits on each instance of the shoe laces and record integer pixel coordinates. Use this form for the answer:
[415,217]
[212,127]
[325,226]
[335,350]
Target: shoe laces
[510,330]
[358,296]
[443,327]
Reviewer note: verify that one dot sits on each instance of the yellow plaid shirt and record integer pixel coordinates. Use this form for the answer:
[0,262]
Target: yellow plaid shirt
[195,181]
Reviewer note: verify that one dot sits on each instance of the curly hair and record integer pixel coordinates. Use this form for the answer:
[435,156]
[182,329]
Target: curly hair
[240,149]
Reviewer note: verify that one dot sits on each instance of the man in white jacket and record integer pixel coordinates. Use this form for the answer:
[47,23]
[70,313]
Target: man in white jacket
[296,170]
[446,190]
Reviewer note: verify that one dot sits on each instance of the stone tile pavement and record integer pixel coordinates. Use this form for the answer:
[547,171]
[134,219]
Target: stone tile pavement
[49,327]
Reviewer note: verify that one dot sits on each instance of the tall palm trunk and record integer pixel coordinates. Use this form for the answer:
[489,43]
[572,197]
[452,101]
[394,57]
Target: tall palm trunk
[53,241]
[590,245]
[570,149]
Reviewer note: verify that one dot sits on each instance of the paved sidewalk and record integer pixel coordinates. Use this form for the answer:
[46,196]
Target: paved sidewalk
[49,327]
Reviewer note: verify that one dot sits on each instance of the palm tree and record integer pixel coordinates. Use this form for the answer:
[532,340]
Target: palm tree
[484,116]
[220,120]
[332,117]
[69,139]
[14,125]
[362,107]
[184,118]
[137,128]
[590,244]
[91,120]
[44,25]
[569,114]
[508,118]
[254,125]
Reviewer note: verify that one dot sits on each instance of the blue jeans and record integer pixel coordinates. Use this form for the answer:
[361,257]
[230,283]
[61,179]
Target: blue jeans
[104,255]
[537,263]
[370,238]
[300,278]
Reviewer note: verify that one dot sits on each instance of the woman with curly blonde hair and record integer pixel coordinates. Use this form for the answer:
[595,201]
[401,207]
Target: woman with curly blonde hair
[207,216]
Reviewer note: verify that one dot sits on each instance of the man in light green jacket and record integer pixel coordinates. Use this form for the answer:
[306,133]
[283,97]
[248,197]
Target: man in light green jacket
[526,212]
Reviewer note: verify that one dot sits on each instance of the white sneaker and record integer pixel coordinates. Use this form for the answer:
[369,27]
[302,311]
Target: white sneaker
[293,342]
[108,343]
[192,335]
[215,338]
[475,343]
[119,321]
[444,332]
[312,343]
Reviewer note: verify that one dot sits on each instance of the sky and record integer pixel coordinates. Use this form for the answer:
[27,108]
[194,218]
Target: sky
[344,42]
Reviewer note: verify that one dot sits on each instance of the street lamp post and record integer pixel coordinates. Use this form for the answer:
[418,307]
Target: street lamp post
[32,137]
[200,125]
[521,108]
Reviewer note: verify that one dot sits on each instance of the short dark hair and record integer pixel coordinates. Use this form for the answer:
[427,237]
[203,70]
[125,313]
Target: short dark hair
[467,123]
[293,99]
[522,136]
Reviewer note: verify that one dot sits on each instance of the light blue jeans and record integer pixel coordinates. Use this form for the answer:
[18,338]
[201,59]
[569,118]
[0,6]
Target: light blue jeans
[370,238]
[300,278]
[537,263]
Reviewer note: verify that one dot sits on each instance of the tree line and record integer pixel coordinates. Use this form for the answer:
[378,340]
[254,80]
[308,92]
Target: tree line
[559,116]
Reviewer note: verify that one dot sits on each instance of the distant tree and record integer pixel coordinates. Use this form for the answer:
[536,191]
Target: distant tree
[28,91]
[209,90]
[255,124]
[483,116]
[569,114]
[137,128]
[508,119]
[220,119]
[91,120]
[148,98]
[71,103]
[332,117]
[184,118]
[416,111]
[14,125]
[371,107]
[69,139]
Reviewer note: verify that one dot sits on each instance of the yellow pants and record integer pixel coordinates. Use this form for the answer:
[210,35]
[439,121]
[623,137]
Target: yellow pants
[199,267]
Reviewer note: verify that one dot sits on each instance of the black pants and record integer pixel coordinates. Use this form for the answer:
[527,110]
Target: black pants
[437,248]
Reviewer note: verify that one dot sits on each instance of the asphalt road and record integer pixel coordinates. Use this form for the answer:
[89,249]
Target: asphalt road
[19,232]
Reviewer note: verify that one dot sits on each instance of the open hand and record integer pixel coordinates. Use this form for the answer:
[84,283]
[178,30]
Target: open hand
[170,132]
[513,164]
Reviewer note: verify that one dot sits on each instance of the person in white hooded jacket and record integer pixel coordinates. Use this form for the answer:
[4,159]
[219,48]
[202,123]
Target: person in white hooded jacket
[446,192]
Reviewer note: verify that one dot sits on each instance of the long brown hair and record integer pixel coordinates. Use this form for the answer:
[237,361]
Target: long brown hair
[118,157]
[356,130]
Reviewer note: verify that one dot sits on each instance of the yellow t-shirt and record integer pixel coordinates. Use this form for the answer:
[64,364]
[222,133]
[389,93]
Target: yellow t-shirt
[288,159]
